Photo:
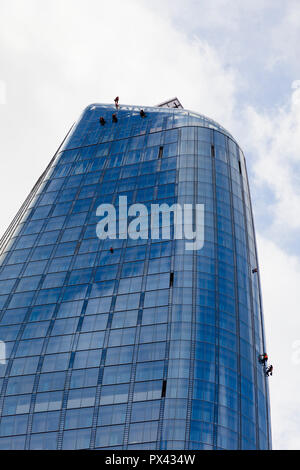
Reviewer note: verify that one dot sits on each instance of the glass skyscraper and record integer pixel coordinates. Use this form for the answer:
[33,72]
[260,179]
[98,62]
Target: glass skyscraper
[133,343]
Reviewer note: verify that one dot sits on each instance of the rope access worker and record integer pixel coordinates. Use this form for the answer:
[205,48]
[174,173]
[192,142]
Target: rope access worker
[116,100]
[269,371]
[263,358]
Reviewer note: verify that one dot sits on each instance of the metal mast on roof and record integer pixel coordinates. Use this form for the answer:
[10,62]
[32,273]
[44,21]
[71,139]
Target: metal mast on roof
[172,103]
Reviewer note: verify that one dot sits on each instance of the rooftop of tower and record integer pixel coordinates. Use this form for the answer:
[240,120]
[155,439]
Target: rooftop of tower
[171,107]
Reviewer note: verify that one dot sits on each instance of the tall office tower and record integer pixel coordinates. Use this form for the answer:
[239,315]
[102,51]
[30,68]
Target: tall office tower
[134,343]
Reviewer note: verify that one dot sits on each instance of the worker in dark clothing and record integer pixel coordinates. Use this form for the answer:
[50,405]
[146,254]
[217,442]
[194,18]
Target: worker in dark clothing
[102,121]
[254,270]
[263,358]
[142,113]
[269,371]
[116,100]
[111,249]
[114,118]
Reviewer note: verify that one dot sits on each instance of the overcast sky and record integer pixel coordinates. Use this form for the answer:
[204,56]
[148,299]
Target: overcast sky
[237,61]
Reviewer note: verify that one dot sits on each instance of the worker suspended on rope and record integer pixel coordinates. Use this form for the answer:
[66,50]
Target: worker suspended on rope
[263,358]
[269,371]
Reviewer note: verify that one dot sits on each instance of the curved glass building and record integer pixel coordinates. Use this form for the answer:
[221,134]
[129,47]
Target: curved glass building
[133,343]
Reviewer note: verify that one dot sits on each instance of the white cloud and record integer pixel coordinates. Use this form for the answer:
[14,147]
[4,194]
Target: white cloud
[58,58]
[241,29]
[284,40]
[3,92]
[280,286]
[274,140]
[295,84]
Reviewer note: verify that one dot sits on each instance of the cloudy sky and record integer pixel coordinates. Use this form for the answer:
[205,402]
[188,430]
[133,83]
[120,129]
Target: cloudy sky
[236,61]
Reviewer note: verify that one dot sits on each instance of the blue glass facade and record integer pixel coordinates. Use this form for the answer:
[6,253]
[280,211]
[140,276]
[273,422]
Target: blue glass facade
[103,351]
